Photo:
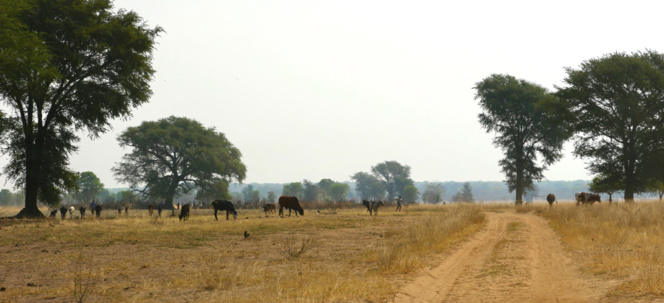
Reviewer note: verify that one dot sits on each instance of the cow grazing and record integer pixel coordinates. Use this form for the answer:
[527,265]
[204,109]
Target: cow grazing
[291,203]
[53,213]
[551,198]
[150,209]
[269,207]
[98,210]
[63,212]
[184,212]
[224,205]
[372,206]
[82,211]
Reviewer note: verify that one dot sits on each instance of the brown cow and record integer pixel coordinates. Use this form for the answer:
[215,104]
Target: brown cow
[592,198]
[551,198]
[150,209]
[292,203]
[581,198]
[184,212]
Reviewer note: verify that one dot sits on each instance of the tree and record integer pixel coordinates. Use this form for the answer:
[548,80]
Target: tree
[465,194]
[177,154]
[247,192]
[433,193]
[339,191]
[217,190]
[394,177]
[601,184]
[410,193]
[518,112]
[66,65]
[324,185]
[368,186]
[271,196]
[312,192]
[294,189]
[106,196]
[89,187]
[616,105]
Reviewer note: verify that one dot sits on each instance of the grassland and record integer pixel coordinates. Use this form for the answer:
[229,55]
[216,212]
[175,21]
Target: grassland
[327,256]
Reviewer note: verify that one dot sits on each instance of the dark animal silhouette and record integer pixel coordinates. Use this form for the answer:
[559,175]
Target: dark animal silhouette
[269,207]
[224,205]
[150,209]
[581,198]
[184,212]
[98,210]
[120,211]
[53,213]
[551,198]
[126,209]
[291,203]
[592,198]
[159,210]
[63,212]
[82,210]
[372,206]
[246,234]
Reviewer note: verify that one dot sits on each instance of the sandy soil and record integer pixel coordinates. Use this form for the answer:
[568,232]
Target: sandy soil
[516,258]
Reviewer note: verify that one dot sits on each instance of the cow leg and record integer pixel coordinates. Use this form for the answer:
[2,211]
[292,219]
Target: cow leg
[227,211]
[215,215]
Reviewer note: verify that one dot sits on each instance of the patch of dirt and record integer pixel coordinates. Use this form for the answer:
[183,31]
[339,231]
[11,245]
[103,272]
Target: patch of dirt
[516,258]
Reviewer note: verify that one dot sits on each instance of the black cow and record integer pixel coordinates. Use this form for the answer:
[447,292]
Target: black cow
[292,203]
[53,213]
[82,210]
[98,210]
[269,207]
[551,198]
[224,205]
[184,212]
[592,198]
[372,206]
[63,212]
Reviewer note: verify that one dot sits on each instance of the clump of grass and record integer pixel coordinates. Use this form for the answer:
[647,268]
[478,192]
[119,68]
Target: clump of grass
[293,249]
[84,281]
[622,241]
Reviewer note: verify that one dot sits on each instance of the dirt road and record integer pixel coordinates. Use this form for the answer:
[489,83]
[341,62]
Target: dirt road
[516,258]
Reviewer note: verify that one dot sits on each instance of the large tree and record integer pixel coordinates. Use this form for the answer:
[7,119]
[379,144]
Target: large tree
[89,187]
[616,104]
[368,186]
[433,193]
[518,112]
[66,65]
[339,191]
[394,176]
[174,154]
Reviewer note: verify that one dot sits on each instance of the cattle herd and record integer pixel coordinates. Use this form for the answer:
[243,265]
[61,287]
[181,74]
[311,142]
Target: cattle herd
[287,202]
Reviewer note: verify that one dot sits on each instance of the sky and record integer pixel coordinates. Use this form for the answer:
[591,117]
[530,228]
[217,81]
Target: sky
[326,89]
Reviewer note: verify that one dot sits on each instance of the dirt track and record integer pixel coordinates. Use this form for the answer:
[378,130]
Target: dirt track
[516,258]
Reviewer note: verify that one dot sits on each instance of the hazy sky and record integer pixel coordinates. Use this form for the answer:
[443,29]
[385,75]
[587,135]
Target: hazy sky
[325,89]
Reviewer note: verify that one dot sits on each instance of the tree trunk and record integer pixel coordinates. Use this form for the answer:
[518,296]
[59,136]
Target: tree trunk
[519,195]
[32,176]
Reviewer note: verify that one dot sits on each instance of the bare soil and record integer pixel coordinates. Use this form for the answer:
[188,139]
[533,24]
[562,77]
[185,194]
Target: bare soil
[516,258]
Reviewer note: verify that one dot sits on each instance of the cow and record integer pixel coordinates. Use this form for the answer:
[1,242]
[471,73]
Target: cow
[551,198]
[581,198]
[71,212]
[592,198]
[82,210]
[98,210]
[224,205]
[63,212]
[53,213]
[269,207]
[291,203]
[159,211]
[372,206]
[184,212]
[150,209]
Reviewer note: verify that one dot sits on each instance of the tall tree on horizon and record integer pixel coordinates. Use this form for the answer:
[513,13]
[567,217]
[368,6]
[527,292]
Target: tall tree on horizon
[517,111]
[394,176]
[616,105]
[65,66]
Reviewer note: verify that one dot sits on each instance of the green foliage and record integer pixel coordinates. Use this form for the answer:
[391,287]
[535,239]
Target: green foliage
[271,197]
[518,112]
[465,194]
[615,104]
[177,155]
[410,193]
[65,66]
[217,190]
[312,192]
[339,191]
[294,189]
[368,186]
[246,193]
[433,193]
[89,187]
[394,177]
[5,197]
[601,184]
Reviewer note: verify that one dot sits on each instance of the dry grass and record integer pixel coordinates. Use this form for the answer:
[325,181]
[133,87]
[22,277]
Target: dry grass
[619,242]
[351,257]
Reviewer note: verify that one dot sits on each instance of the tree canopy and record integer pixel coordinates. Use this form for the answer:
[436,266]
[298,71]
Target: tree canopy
[518,112]
[368,186]
[89,187]
[616,105]
[433,193]
[65,65]
[394,177]
[174,154]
